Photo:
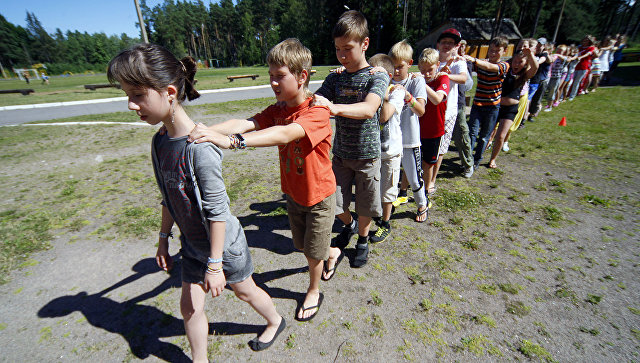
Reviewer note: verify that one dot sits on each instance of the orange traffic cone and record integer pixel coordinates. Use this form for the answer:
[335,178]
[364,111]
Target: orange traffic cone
[563,122]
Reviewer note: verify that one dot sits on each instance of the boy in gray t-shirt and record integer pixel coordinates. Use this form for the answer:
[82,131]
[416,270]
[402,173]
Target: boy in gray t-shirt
[354,97]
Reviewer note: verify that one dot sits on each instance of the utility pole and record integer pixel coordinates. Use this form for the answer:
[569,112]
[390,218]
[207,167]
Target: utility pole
[555,34]
[496,27]
[404,17]
[142,27]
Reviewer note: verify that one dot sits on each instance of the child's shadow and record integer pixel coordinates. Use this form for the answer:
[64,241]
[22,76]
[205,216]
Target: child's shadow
[141,326]
[268,217]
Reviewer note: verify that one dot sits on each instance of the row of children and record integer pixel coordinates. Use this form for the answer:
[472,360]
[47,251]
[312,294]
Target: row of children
[187,163]
[598,59]
[384,120]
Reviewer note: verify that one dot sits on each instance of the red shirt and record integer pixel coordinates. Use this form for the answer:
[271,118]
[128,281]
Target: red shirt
[432,122]
[585,63]
[305,166]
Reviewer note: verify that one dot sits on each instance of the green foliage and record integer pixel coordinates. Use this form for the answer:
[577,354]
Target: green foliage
[236,33]
[533,351]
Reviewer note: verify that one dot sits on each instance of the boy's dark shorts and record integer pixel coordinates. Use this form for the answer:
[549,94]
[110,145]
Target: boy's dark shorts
[430,149]
[311,226]
[236,264]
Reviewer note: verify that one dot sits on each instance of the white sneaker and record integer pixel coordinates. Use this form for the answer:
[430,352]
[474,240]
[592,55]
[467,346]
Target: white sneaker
[505,147]
[468,172]
[548,109]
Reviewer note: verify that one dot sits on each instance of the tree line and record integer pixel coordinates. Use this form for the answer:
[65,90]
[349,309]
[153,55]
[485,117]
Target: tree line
[242,33]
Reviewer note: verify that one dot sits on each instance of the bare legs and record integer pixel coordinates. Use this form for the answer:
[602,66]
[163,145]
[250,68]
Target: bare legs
[501,135]
[313,292]
[196,324]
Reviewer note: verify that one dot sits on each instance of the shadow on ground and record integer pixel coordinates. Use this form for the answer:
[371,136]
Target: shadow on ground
[142,326]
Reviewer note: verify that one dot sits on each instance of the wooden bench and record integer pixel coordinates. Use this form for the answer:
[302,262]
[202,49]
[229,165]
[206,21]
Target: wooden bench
[252,76]
[93,87]
[24,91]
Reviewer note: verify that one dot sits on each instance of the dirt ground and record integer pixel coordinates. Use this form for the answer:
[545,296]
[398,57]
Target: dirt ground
[537,261]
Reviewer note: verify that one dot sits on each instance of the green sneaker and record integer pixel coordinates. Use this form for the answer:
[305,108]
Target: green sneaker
[381,234]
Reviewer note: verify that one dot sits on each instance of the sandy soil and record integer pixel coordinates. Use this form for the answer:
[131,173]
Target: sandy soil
[474,284]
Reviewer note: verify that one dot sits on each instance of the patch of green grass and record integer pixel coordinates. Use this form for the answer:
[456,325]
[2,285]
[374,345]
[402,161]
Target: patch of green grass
[280,211]
[22,233]
[634,310]
[426,334]
[138,221]
[595,200]
[378,326]
[3,326]
[593,299]
[534,351]
[426,305]
[488,289]
[459,200]
[478,344]
[484,319]
[414,275]
[552,213]
[593,332]
[375,298]
[510,288]
[45,333]
[472,243]
[290,342]
[635,333]
[238,185]
[518,308]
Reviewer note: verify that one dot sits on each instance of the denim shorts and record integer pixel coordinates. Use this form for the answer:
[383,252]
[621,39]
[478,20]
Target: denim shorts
[236,263]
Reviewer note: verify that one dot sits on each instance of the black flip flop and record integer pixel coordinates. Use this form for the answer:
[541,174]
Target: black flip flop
[320,298]
[327,270]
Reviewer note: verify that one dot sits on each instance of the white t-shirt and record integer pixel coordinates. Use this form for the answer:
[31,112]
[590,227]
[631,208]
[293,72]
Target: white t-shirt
[452,99]
[396,99]
[409,122]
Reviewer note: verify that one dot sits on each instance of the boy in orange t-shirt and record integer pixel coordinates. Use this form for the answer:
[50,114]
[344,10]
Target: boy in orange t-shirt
[303,135]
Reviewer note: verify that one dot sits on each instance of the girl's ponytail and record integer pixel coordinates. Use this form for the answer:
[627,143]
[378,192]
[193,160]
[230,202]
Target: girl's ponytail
[189,68]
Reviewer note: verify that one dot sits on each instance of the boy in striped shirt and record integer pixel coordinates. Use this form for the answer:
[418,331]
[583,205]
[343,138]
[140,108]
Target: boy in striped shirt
[486,103]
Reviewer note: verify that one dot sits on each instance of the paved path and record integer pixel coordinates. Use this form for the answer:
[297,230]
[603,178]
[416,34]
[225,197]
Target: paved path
[15,115]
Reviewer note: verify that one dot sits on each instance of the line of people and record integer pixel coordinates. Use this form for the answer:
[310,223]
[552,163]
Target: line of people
[386,119]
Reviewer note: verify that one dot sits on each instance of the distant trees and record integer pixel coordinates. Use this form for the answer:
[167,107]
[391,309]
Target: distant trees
[241,32]
[74,51]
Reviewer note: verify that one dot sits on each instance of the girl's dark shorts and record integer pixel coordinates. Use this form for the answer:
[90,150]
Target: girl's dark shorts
[508,112]
[429,149]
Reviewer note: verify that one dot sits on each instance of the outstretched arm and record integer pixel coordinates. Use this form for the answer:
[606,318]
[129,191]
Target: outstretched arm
[271,136]
[483,64]
[202,133]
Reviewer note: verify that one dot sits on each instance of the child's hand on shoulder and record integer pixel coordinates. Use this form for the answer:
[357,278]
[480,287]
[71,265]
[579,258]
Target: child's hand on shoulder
[440,74]
[201,133]
[414,75]
[338,70]
[377,70]
[321,101]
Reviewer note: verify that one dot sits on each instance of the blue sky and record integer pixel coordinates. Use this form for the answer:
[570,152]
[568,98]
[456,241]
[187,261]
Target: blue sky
[108,16]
